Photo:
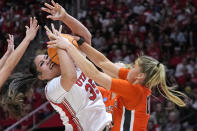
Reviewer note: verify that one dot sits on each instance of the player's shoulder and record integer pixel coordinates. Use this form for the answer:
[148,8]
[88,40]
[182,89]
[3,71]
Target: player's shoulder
[54,90]
[54,81]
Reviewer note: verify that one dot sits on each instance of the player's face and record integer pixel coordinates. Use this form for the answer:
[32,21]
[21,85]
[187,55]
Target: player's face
[46,68]
[135,75]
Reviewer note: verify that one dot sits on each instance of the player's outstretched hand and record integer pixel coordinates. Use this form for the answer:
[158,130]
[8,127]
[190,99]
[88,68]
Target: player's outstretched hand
[58,40]
[10,47]
[55,10]
[31,31]
[51,34]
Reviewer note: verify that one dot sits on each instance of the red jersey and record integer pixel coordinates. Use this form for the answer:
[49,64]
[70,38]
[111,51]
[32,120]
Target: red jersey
[131,106]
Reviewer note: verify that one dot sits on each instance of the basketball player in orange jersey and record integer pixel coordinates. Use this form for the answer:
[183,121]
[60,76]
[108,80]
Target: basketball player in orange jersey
[13,59]
[132,86]
[114,105]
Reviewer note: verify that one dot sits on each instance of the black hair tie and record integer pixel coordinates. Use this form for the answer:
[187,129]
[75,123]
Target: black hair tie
[158,64]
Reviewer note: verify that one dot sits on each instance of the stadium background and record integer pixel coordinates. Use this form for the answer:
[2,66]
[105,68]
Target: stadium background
[121,29]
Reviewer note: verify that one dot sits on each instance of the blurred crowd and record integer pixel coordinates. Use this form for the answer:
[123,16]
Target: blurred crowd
[123,29]
[163,29]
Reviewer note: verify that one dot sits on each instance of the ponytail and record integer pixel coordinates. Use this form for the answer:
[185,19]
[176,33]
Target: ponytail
[156,76]
[169,92]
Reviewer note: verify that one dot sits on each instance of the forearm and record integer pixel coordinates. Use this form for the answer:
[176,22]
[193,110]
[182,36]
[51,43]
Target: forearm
[13,60]
[100,60]
[88,68]
[95,56]
[3,59]
[68,70]
[66,64]
[77,27]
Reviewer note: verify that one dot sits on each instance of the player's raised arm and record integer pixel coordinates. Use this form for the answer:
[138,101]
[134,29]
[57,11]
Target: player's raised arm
[57,12]
[14,58]
[10,49]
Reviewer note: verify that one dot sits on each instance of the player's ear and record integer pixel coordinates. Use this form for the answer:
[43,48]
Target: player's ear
[140,77]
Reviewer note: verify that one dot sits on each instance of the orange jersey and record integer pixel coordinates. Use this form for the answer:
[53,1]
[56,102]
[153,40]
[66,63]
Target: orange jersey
[130,107]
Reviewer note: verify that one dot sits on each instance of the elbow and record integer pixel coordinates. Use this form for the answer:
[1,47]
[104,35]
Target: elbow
[73,77]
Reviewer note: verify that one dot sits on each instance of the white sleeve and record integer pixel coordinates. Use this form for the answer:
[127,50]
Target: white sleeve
[54,90]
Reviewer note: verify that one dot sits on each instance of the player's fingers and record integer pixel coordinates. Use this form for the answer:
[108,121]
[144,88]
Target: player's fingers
[12,38]
[53,28]
[47,29]
[52,42]
[49,6]
[54,4]
[35,22]
[60,29]
[30,22]
[37,28]
[52,46]
[51,17]
[27,28]
[46,10]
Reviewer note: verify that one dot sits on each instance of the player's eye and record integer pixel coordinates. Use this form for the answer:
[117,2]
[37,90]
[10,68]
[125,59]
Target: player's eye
[46,57]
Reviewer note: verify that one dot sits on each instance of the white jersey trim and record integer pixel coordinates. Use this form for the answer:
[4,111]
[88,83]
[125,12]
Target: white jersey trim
[132,114]
[132,120]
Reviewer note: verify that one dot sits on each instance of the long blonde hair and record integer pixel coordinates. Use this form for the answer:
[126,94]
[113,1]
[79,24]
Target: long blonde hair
[155,76]
[14,97]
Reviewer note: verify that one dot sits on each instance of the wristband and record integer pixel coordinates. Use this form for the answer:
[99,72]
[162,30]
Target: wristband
[71,39]
[80,41]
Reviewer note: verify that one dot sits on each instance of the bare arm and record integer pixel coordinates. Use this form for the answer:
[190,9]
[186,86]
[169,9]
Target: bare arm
[77,27]
[10,49]
[57,12]
[89,69]
[86,66]
[100,60]
[3,59]
[95,56]
[14,58]
[68,70]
